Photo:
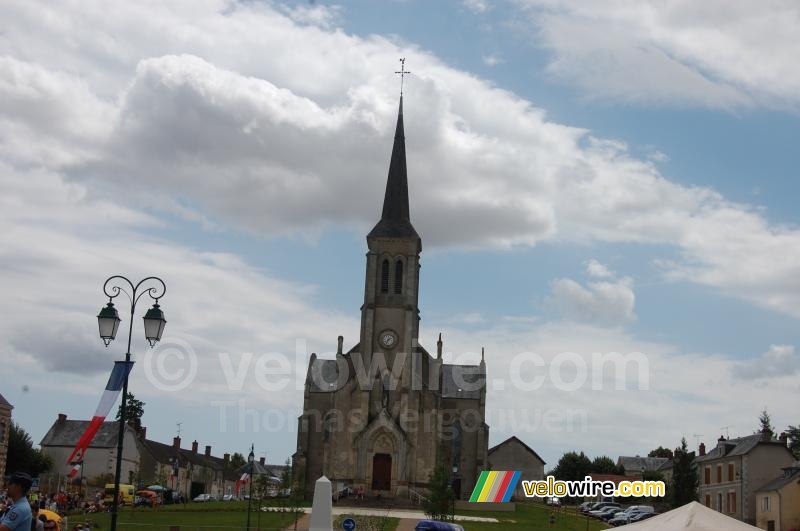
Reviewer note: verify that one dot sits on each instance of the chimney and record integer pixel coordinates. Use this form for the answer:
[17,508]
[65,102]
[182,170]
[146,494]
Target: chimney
[261,460]
[226,458]
[176,443]
[339,346]
[208,451]
[194,447]
[143,432]
[439,347]
[62,418]
[702,449]
[784,438]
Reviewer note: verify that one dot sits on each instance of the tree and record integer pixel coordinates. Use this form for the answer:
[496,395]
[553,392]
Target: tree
[238,461]
[134,410]
[793,434]
[437,505]
[661,452]
[22,456]
[684,477]
[572,466]
[765,422]
[605,465]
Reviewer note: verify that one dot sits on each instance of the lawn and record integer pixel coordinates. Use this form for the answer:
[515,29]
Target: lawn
[533,517]
[192,516]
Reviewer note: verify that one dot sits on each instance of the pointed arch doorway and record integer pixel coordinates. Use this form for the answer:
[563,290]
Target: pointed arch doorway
[381,472]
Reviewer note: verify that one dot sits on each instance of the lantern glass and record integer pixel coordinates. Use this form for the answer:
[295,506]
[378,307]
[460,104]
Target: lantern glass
[108,322]
[154,324]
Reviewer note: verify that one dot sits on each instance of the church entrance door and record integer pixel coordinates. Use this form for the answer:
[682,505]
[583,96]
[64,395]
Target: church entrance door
[382,472]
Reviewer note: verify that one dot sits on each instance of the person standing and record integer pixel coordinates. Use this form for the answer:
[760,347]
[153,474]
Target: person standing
[18,516]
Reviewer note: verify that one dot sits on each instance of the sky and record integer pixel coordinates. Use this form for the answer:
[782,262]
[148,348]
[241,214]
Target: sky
[588,178]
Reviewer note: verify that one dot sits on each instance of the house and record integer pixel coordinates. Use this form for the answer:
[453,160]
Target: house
[186,471]
[778,501]
[635,466]
[513,454]
[5,428]
[144,462]
[100,459]
[616,479]
[729,474]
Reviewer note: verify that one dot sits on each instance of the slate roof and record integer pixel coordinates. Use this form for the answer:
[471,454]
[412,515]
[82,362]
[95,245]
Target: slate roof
[67,433]
[462,381]
[738,446]
[636,464]
[790,474]
[163,453]
[514,438]
[324,374]
[395,219]
[4,402]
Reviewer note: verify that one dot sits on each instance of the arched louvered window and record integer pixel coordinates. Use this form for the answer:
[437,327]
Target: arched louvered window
[385,277]
[398,277]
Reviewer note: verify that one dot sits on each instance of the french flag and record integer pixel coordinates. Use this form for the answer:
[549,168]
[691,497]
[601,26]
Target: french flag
[75,469]
[113,387]
[242,481]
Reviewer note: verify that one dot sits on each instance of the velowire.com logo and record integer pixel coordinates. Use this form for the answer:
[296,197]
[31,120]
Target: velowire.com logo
[495,486]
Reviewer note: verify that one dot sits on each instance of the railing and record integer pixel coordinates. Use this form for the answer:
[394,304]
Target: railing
[416,498]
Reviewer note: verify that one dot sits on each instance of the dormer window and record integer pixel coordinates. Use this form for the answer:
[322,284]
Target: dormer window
[385,277]
[398,277]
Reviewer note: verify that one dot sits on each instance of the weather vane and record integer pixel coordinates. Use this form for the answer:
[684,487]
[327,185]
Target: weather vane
[402,73]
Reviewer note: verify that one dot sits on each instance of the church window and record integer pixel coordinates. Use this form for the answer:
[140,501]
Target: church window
[385,277]
[398,277]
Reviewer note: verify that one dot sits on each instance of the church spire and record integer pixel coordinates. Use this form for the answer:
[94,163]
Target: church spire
[395,219]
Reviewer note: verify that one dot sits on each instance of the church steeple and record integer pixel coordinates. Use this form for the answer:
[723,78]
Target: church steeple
[395,219]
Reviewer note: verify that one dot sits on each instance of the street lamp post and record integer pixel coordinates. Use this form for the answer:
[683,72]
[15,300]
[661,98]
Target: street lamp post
[108,321]
[250,459]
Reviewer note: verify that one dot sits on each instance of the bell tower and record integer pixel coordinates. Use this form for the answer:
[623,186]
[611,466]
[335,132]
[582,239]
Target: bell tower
[390,314]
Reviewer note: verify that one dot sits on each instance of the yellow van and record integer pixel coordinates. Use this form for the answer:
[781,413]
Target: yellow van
[126,491]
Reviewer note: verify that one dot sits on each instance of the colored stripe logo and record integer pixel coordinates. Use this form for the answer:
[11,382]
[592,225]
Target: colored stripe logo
[495,486]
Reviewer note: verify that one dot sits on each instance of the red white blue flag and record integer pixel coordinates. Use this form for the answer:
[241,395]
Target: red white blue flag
[113,387]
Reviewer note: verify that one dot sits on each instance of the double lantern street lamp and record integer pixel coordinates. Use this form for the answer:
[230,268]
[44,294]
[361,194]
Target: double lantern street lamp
[108,321]
[251,458]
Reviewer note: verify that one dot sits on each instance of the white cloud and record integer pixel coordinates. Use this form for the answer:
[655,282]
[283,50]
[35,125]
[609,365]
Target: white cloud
[492,59]
[608,303]
[597,270]
[777,362]
[476,6]
[718,53]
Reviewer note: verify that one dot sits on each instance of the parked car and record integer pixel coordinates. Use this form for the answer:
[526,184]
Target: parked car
[435,525]
[608,510]
[623,517]
[204,498]
[610,513]
[228,497]
[585,506]
[641,516]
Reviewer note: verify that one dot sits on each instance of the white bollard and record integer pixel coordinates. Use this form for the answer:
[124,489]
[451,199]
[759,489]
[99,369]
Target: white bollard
[322,508]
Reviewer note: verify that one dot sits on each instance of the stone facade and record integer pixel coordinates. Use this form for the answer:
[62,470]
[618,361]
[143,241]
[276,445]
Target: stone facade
[5,428]
[382,414]
[778,502]
[513,454]
[729,474]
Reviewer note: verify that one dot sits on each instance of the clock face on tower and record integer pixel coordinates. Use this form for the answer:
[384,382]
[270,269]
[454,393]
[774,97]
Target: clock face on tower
[388,339]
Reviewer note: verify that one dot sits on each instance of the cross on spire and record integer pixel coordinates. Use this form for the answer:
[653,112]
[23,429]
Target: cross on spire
[402,73]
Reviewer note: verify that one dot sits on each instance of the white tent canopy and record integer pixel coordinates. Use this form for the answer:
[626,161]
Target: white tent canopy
[690,517]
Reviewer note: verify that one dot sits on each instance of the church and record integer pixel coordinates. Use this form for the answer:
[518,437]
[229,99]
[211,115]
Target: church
[383,414]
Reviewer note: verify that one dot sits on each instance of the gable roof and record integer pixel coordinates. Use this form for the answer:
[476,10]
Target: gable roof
[4,402]
[739,446]
[462,381]
[790,474]
[67,433]
[514,438]
[636,463]
[164,453]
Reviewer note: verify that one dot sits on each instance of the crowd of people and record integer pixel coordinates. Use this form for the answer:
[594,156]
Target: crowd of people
[22,510]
